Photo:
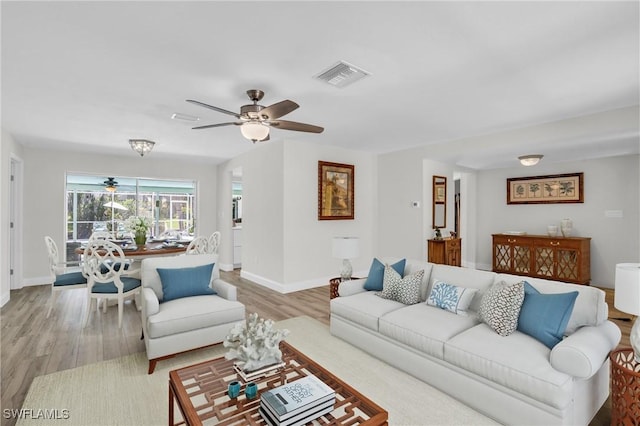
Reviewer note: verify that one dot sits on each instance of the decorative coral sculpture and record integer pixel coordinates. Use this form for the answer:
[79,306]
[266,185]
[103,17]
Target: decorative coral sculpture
[255,345]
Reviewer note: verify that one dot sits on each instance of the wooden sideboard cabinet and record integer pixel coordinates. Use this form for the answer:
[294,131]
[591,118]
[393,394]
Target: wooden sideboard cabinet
[564,259]
[446,251]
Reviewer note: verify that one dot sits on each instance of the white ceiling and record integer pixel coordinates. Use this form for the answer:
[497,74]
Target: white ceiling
[91,75]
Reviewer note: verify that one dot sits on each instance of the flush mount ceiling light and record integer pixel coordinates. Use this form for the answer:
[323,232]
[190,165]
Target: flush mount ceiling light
[254,131]
[141,146]
[530,160]
[110,185]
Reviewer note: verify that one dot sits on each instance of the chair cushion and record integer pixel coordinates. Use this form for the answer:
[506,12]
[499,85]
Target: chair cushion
[116,267]
[70,278]
[186,282]
[191,313]
[376,274]
[545,316]
[128,284]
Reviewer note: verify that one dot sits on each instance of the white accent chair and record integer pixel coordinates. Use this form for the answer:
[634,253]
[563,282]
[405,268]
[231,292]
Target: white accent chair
[199,245]
[187,323]
[106,269]
[62,278]
[214,242]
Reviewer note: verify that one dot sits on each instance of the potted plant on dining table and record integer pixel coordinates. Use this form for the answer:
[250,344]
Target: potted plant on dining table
[138,226]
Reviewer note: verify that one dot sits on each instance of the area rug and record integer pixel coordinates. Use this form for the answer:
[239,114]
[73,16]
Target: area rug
[120,392]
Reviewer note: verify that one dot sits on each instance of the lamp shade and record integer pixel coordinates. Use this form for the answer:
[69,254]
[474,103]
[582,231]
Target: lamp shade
[346,247]
[254,131]
[627,293]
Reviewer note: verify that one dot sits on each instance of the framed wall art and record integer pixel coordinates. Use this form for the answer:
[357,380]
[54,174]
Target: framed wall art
[335,191]
[564,188]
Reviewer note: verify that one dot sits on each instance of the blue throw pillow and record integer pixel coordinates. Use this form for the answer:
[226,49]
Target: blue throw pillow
[545,316]
[185,282]
[376,274]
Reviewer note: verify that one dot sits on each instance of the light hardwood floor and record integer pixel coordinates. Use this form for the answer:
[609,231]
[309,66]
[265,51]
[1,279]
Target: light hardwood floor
[33,345]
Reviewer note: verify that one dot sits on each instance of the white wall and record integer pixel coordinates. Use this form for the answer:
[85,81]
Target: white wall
[44,201]
[285,246]
[8,149]
[609,184]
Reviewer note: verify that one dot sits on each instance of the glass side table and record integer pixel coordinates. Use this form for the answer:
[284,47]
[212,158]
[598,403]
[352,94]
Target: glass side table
[625,388]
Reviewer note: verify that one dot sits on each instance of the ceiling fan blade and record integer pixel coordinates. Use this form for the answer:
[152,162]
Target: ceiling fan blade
[208,126]
[299,127]
[224,111]
[277,110]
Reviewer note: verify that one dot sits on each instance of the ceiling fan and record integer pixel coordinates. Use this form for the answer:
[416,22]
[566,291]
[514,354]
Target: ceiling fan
[110,184]
[256,120]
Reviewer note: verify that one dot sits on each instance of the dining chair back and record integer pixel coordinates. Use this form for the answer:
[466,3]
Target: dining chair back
[214,242]
[106,269]
[199,245]
[101,235]
[63,276]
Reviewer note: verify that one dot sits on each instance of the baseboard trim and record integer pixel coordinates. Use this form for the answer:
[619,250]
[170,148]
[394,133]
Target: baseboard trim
[227,267]
[5,299]
[36,281]
[284,288]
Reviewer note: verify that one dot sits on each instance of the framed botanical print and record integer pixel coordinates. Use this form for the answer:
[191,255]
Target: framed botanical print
[564,188]
[335,191]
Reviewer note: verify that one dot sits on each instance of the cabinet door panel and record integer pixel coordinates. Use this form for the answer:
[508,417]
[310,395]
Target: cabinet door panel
[568,264]
[544,262]
[502,257]
[521,259]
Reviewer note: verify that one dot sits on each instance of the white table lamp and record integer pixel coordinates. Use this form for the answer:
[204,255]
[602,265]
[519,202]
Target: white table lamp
[627,298]
[346,248]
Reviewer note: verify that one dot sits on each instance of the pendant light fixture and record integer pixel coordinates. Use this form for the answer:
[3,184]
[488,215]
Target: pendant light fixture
[530,160]
[141,146]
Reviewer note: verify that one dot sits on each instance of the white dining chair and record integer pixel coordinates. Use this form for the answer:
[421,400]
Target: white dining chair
[64,275]
[214,242]
[199,245]
[106,267]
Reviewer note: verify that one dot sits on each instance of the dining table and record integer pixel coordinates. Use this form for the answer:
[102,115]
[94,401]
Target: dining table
[150,249]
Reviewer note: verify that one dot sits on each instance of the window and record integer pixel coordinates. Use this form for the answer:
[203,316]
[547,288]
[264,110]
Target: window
[170,205]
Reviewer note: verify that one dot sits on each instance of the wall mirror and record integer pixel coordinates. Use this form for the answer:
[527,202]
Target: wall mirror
[439,216]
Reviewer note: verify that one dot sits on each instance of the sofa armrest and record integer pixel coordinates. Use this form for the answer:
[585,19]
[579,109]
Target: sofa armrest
[225,290]
[582,353]
[347,288]
[150,303]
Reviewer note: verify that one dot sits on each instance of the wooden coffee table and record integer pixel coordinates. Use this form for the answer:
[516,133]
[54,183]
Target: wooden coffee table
[200,392]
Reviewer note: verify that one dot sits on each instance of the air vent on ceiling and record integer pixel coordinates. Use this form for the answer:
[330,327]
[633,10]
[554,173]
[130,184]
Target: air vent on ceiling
[342,74]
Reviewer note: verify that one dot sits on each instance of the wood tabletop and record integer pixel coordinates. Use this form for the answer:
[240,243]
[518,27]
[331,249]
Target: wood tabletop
[149,249]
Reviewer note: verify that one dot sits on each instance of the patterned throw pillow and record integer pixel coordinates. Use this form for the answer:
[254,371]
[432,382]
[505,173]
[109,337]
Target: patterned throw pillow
[404,290]
[500,307]
[451,298]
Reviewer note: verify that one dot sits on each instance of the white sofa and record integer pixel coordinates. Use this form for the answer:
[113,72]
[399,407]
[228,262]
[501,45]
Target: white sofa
[515,379]
[186,323]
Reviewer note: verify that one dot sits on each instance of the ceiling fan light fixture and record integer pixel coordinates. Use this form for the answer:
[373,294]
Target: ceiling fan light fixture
[254,131]
[141,146]
[110,185]
[530,160]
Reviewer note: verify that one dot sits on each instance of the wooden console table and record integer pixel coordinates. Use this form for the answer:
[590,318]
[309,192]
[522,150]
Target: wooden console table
[446,251]
[564,259]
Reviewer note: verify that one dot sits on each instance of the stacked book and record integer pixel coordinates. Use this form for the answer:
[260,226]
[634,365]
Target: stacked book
[297,403]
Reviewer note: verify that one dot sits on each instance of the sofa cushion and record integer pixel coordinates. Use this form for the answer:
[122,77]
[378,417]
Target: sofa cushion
[545,316]
[364,308]
[185,282]
[375,278]
[590,307]
[404,290]
[463,277]
[424,327]
[191,313]
[451,298]
[500,307]
[517,362]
